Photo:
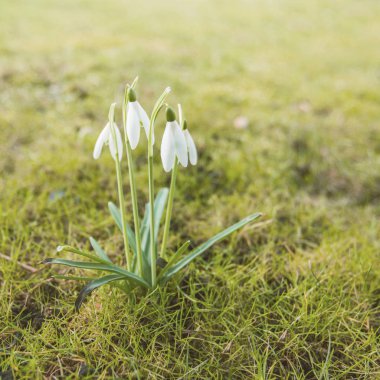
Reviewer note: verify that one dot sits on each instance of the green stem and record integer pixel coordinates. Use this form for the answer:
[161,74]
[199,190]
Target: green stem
[169,209]
[156,109]
[132,183]
[134,206]
[122,211]
[111,119]
[153,258]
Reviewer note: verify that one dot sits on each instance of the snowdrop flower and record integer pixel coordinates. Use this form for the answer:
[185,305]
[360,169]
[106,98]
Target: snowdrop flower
[136,118]
[192,150]
[173,143]
[107,137]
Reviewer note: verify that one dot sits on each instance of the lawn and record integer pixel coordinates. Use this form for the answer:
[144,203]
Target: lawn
[295,295]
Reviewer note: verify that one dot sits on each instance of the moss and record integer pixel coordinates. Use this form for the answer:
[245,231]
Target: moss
[293,296]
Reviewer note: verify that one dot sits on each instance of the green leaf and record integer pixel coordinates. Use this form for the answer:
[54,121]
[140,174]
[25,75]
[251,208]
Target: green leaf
[115,212]
[99,251]
[159,207]
[68,248]
[203,247]
[93,285]
[145,245]
[144,229]
[76,278]
[144,233]
[99,267]
[174,258]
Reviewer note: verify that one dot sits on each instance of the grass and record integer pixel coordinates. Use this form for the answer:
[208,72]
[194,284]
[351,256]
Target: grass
[295,296]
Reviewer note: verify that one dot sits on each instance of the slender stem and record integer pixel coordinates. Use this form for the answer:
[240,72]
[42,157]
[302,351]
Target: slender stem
[156,109]
[153,258]
[169,209]
[132,183]
[122,211]
[111,120]
[136,218]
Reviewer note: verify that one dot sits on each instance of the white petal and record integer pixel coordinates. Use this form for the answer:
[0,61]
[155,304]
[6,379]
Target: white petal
[180,144]
[168,148]
[118,145]
[102,139]
[193,155]
[144,119]
[133,124]
[119,142]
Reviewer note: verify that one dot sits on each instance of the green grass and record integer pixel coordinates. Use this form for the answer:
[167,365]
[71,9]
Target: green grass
[294,296]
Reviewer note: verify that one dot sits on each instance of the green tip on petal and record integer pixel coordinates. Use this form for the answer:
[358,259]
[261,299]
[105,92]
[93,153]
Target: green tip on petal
[170,114]
[131,95]
[184,125]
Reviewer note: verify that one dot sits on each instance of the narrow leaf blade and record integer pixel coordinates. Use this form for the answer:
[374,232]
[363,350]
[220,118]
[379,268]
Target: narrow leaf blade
[76,278]
[203,247]
[159,207]
[91,286]
[145,229]
[174,258]
[99,267]
[68,248]
[115,212]
[98,250]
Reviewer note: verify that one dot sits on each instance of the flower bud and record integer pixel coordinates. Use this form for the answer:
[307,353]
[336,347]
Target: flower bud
[131,94]
[170,114]
[184,127]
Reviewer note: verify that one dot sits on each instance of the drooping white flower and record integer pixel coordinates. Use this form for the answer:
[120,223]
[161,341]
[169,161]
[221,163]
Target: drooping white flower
[173,143]
[136,118]
[107,137]
[191,148]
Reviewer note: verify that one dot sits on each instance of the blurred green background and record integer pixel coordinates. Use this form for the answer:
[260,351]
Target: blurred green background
[282,99]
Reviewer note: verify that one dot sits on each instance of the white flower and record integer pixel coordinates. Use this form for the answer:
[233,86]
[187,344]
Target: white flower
[136,118]
[192,150]
[173,143]
[107,137]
